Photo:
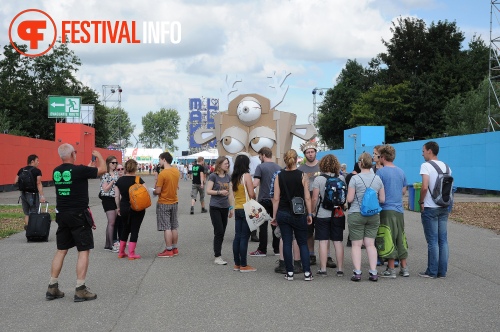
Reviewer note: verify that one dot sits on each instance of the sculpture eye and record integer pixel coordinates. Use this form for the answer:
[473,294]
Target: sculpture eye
[232,145]
[261,142]
[249,111]
[261,137]
[234,139]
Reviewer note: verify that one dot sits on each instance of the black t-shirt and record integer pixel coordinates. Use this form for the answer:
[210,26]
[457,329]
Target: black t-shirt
[34,171]
[123,184]
[197,170]
[293,181]
[72,186]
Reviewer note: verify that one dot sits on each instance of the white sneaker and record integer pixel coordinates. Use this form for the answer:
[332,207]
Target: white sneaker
[116,247]
[219,261]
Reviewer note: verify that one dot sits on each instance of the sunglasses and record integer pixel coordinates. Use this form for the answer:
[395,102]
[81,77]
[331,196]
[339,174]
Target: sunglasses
[119,169]
[114,162]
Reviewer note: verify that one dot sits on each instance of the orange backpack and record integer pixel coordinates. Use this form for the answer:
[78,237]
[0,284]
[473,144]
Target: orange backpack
[139,196]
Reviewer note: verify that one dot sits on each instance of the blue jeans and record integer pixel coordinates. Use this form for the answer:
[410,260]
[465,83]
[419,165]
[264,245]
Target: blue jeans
[435,222]
[241,236]
[294,224]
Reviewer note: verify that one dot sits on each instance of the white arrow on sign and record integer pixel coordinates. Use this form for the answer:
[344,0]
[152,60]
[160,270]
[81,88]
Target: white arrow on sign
[54,104]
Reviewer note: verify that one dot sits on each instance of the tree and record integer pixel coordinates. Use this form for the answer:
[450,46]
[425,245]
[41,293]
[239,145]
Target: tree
[27,82]
[407,51]
[160,129]
[335,110]
[468,113]
[15,82]
[386,105]
[430,59]
[53,74]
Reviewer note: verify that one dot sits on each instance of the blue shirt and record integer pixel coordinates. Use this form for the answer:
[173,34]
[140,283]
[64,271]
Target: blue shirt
[394,180]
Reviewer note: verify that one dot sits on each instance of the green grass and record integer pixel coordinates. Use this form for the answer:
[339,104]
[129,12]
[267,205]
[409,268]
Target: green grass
[12,219]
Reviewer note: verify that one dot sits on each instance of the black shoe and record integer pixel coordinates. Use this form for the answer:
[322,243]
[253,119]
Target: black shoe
[308,276]
[322,273]
[312,259]
[192,210]
[297,267]
[281,267]
[203,210]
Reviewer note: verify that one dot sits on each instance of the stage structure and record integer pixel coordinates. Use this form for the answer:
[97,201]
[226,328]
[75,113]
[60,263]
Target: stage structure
[112,98]
[494,68]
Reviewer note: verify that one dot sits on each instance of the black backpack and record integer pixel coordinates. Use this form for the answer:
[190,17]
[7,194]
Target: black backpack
[26,181]
[442,194]
[335,193]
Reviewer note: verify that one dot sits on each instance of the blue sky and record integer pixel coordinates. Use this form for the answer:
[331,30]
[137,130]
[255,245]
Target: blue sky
[245,39]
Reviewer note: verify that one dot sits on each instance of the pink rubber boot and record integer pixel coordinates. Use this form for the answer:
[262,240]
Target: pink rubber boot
[131,251]
[122,253]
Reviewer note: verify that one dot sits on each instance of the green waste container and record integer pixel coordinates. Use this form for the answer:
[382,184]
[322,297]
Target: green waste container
[411,198]
[417,186]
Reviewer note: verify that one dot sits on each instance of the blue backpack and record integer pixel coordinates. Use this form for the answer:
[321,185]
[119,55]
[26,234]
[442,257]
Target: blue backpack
[335,193]
[369,204]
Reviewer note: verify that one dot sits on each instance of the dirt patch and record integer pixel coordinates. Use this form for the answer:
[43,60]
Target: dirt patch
[485,215]
[479,214]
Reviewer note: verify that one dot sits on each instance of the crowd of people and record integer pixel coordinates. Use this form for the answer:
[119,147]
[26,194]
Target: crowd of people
[292,196]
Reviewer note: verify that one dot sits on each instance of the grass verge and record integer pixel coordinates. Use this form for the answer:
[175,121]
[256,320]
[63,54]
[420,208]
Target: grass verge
[12,219]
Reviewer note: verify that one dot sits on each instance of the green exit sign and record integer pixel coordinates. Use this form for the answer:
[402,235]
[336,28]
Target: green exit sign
[64,106]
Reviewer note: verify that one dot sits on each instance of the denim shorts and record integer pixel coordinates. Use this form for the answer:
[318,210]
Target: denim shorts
[30,202]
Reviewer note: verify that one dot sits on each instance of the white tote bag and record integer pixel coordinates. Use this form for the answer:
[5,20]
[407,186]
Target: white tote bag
[255,213]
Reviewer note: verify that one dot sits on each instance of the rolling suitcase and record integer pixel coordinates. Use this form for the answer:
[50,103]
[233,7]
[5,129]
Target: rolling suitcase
[39,225]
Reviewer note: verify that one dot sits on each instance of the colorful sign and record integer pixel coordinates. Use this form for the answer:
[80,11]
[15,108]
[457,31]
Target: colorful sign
[201,115]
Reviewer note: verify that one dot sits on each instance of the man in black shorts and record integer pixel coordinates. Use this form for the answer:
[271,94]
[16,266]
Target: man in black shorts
[198,173]
[30,199]
[73,219]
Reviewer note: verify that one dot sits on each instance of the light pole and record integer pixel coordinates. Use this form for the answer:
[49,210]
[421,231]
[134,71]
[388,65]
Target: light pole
[313,117]
[355,137]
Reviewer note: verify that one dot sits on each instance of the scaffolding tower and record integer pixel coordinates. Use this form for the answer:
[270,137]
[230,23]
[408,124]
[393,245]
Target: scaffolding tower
[112,98]
[494,67]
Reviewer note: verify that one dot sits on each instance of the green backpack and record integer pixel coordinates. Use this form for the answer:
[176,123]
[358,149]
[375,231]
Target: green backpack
[383,241]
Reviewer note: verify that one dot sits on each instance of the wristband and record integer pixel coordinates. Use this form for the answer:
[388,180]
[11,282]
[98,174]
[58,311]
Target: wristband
[309,214]
[420,202]
[231,207]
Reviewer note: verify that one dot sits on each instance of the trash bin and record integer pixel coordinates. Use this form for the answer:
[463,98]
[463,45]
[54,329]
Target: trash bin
[417,186]
[411,197]
[450,207]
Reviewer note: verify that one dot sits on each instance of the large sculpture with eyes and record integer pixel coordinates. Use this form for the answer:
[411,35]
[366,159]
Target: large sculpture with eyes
[250,124]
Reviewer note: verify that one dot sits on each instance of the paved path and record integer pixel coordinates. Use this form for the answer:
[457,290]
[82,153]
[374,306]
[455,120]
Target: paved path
[190,293]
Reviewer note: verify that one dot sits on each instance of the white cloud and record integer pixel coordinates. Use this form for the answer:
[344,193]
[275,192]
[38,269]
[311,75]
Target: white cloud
[249,39]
